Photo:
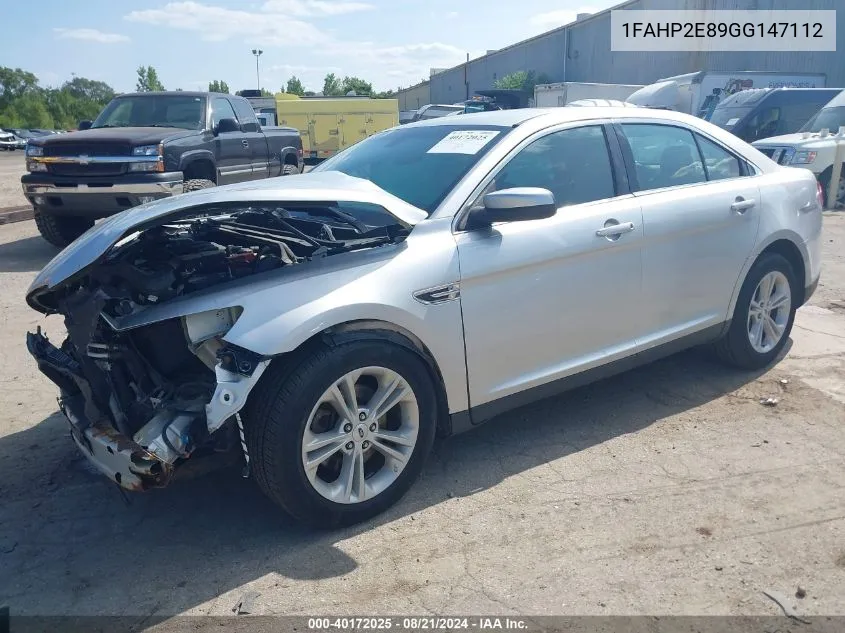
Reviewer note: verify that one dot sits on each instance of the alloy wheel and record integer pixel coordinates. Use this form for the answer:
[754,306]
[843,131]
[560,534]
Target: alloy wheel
[768,312]
[360,435]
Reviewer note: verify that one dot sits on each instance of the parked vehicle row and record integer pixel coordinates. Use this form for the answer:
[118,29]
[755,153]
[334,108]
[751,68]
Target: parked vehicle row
[147,146]
[422,281]
[814,146]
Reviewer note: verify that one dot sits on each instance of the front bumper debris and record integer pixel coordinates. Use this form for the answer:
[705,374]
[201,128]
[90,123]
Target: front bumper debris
[118,457]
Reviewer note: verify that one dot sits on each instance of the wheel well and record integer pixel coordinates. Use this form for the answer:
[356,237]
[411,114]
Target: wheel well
[376,330]
[290,159]
[790,252]
[200,169]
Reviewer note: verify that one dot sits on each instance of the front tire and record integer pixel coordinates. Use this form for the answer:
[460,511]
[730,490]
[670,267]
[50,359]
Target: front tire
[342,435]
[60,231]
[763,316]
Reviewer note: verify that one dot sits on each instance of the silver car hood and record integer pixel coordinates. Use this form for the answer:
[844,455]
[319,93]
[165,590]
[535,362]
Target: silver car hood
[312,187]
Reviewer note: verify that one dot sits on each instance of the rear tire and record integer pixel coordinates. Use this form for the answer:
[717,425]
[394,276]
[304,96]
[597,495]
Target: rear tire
[60,231]
[287,412]
[761,325]
[289,170]
[195,184]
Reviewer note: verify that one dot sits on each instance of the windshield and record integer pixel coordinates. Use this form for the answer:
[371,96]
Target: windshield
[421,164]
[154,111]
[826,118]
[728,117]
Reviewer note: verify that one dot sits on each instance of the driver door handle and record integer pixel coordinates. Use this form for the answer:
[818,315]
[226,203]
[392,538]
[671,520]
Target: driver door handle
[742,205]
[616,229]
[245,143]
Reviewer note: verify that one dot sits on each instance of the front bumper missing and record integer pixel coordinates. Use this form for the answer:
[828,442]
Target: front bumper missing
[113,454]
[118,457]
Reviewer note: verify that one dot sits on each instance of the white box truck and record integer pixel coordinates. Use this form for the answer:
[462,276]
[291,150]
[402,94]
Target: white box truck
[699,93]
[561,94]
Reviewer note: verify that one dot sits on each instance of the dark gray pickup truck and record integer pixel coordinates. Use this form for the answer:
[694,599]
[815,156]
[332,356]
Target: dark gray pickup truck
[147,146]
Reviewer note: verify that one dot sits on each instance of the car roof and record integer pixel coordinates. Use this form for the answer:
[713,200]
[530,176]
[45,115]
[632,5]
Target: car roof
[551,116]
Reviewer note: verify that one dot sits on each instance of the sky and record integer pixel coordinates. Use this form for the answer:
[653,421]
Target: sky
[390,43]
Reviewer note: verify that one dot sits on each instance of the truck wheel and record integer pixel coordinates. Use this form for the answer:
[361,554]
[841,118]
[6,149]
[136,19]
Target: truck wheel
[824,179]
[60,231]
[289,170]
[341,436]
[196,184]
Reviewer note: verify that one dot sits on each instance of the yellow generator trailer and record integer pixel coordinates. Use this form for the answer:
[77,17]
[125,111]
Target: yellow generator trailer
[331,124]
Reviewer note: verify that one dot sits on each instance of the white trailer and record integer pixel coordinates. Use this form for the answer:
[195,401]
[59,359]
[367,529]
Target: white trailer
[561,94]
[699,93]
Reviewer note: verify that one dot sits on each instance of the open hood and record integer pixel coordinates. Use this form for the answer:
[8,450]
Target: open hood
[328,186]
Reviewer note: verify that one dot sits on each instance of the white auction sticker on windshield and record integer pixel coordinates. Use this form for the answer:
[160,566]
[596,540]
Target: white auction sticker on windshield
[732,122]
[463,142]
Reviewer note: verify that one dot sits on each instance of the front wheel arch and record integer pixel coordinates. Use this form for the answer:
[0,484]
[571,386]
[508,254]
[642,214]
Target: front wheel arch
[375,330]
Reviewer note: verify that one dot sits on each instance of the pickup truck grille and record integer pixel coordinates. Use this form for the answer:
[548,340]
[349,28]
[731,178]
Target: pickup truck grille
[100,169]
[87,149]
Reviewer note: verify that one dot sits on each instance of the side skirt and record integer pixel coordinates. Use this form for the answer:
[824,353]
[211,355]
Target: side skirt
[465,420]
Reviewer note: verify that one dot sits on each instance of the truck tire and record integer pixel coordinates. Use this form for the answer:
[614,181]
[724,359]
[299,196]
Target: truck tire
[60,231]
[196,184]
[824,179]
[289,170]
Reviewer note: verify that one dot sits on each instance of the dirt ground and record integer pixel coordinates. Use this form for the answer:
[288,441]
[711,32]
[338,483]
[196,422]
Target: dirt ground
[668,490]
[11,170]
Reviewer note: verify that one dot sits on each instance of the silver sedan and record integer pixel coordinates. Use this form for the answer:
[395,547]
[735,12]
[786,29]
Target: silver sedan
[329,325]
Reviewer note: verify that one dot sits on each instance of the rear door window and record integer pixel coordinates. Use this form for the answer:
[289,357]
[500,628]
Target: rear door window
[663,155]
[719,163]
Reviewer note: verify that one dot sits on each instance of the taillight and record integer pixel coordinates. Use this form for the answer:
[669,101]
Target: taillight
[299,152]
[820,194]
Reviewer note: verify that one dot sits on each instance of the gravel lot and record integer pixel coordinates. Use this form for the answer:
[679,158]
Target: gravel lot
[11,170]
[668,490]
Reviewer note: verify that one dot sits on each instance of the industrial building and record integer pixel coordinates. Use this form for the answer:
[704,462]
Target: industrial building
[581,52]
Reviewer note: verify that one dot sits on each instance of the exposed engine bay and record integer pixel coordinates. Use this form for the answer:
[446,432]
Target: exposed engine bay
[142,400]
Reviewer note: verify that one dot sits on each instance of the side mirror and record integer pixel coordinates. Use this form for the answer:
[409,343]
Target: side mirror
[227,125]
[84,125]
[514,205]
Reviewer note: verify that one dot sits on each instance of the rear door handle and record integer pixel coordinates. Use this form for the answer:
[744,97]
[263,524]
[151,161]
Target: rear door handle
[614,230]
[742,205]
[245,143]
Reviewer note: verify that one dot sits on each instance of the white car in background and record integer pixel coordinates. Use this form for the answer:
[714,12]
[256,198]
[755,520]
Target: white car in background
[814,146]
[422,281]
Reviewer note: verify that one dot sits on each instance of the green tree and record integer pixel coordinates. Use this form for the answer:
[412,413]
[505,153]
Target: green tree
[14,83]
[356,85]
[82,88]
[148,80]
[23,103]
[387,94]
[522,80]
[218,86]
[28,111]
[295,87]
[332,86]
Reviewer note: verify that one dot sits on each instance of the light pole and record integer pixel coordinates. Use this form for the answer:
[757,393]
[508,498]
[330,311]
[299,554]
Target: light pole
[257,52]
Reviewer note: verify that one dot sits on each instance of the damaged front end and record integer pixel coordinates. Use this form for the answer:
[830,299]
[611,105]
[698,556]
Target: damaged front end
[141,400]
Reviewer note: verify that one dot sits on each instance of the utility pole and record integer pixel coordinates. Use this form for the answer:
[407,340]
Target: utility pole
[257,52]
